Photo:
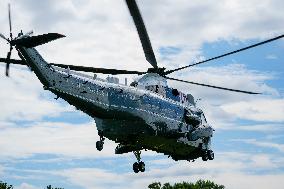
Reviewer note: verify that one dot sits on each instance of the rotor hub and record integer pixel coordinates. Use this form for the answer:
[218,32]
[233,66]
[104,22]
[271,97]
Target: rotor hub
[160,71]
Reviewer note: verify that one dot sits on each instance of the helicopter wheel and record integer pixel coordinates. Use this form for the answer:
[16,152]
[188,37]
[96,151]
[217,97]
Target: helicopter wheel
[136,167]
[210,154]
[100,145]
[141,165]
[205,156]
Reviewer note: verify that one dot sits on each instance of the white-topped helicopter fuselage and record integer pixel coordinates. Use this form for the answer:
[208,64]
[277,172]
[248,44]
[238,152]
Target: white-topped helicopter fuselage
[137,117]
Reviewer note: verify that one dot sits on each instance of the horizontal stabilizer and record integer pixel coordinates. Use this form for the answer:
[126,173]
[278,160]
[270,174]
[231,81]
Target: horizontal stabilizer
[34,41]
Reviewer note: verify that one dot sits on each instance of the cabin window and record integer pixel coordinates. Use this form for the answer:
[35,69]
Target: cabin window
[157,89]
[134,84]
[175,92]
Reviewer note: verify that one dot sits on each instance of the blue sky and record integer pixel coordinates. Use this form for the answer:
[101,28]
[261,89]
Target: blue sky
[44,141]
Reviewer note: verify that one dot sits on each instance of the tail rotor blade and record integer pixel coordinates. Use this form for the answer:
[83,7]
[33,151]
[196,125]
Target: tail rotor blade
[8,61]
[3,37]
[7,69]
[10,22]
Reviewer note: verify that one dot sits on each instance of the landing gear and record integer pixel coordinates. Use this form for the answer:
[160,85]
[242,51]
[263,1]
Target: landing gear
[204,156]
[208,155]
[140,165]
[100,143]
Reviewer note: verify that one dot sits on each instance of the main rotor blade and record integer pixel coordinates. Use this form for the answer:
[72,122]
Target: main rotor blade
[97,70]
[78,68]
[212,86]
[10,22]
[226,54]
[141,29]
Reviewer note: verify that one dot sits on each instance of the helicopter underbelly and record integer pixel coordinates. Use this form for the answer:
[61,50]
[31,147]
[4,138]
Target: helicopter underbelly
[137,136]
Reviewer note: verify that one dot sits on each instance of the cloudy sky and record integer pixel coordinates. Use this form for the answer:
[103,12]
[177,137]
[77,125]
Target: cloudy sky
[44,141]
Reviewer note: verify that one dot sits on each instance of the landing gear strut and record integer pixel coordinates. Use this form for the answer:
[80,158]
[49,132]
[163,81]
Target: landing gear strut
[100,143]
[140,165]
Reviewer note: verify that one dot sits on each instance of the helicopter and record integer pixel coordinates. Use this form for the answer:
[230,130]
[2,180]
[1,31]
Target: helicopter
[145,115]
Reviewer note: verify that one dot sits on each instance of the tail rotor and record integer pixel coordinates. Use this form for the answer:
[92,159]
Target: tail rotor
[9,40]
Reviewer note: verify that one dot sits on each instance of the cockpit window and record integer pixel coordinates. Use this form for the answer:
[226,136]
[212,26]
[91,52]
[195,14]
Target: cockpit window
[203,119]
[151,88]
[134,84]
[157,89]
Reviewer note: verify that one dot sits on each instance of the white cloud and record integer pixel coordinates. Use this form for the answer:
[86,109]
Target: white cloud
[53,138]
[274,136]
[264,128]
[77,141]
[263,161]
[264,144]
[231,169]
[25,186]
[23,98]
[257,110]
[1,170]
[271,57]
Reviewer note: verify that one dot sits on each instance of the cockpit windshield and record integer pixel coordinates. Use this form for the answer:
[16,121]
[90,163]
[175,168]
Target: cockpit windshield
[157,89]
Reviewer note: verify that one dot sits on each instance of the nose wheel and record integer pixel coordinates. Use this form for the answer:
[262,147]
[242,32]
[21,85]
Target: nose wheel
[208,155]
[139,165]
[100,143]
